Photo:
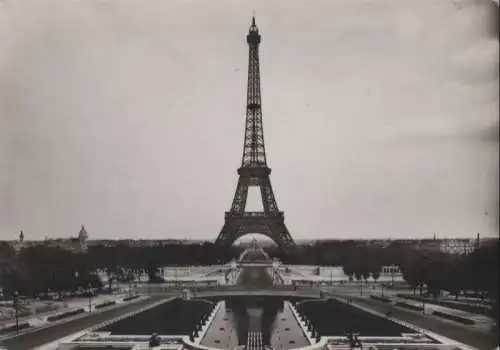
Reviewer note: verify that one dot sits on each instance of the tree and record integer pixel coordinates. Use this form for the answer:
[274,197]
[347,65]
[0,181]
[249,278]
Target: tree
[358,275]
[348,269]
[375,263]
[412,272]
[455,277]
[362,265]
[13,278]
[7,253]
[152,271]
[396,253]
[365,273]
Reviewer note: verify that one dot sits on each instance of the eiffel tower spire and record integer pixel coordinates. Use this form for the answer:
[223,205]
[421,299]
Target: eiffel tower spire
[254,153]
[254,170]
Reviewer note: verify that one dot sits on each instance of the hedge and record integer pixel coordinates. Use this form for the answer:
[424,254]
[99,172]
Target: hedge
[12,328]
[156,279]
[409,306]
[455,318]
[475,309]
[132,297]
[105,304]
[66,314]
[376,297]
[47,308]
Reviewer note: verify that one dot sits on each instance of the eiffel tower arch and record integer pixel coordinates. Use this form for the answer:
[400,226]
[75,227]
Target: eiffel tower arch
[254,170]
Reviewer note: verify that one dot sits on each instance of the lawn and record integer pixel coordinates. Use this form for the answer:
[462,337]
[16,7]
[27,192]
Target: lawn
[332,317]
[175,317]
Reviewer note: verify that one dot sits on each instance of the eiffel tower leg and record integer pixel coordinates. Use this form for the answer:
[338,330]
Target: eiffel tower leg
[228,234]
[282,237]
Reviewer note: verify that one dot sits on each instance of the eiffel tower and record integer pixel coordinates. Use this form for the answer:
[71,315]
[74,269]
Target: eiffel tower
[254,170]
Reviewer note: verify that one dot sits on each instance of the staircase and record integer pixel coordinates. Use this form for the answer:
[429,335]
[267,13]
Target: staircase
[277,278]
[254,341]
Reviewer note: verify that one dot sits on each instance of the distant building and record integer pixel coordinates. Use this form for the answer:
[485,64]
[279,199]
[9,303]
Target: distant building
[82,239]
[17,245]
[431,245]
[140,242]
[381,243]
[391,270]
[458,246]
[75,244]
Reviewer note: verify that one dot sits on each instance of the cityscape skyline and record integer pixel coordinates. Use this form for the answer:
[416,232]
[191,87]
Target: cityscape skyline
[380,121]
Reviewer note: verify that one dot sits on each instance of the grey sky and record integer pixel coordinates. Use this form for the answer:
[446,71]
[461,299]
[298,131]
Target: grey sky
[380,117]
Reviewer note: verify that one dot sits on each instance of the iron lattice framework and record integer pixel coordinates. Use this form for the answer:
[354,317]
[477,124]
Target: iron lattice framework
[254,170]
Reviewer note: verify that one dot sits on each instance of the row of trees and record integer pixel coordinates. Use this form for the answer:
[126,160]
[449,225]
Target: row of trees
[321,253]
[430,272]
[364,263]
[174,254]
[41,269]
[337,253]
[437,272]
[38,269]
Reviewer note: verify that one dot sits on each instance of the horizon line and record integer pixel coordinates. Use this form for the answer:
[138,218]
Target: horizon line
[297,240]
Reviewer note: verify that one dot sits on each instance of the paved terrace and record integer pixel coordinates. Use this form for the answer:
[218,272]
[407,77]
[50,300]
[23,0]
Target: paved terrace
[401,337]
[43,335]
[273,292]
[461,333]
[481,323]
[224,291]
[225,338]
[40,318]
[223,331]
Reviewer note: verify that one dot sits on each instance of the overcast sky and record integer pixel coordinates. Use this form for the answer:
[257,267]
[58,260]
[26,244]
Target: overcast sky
[380,117]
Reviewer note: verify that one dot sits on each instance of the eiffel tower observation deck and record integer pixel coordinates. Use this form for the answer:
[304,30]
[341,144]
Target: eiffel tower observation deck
[254,170]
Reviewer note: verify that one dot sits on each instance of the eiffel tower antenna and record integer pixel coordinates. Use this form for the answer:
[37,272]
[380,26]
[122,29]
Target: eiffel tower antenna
[254,170]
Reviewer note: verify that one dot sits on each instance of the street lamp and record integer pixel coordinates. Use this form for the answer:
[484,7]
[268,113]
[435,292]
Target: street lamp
[130,277]
[423,286]
[352,338]
[90,298]
[15,300]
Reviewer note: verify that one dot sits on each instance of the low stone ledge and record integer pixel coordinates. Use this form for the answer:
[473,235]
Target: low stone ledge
[132,297]
[380,298]
[456,318]
[65,314]
[105,304]
[10,328]
[409,306]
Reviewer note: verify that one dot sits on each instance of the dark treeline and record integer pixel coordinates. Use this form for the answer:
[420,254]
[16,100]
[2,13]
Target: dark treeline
[41,269]
[427,272]
[36,270]
[476,271]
